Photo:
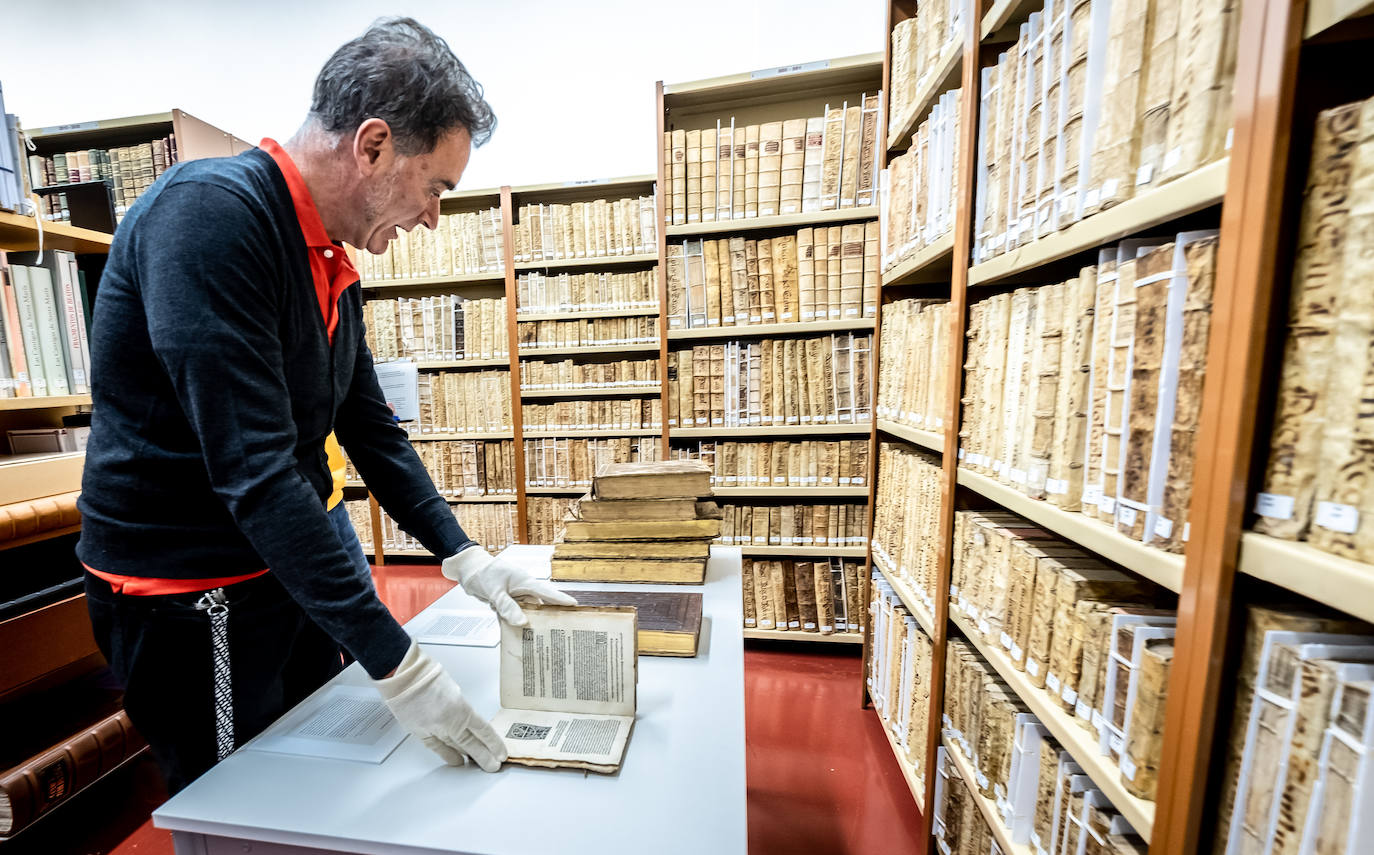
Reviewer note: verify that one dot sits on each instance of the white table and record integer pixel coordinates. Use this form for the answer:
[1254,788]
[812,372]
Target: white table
[680,788]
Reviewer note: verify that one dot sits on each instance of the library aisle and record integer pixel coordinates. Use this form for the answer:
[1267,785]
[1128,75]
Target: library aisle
[821,775]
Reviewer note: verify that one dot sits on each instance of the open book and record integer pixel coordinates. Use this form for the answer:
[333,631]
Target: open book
[568,686]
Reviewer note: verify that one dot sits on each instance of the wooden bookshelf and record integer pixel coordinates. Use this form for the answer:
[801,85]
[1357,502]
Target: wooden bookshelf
[944,78]
[20,234]
[1162,568]
[1340,583]
[930,263]
[1002,15]
[588,350]
[779,221]
[45,402]
[589,432]
[491,499]
[443,437]
[769,431]
[986,806]
[603,392]
[791,492]
[769,330]
[461,364]
[596,261]
[914,782]
[908,596]
[577,314]
[802,551]
[431,282]
[813,637]
[1080,742]
[1200,189]
[928,440]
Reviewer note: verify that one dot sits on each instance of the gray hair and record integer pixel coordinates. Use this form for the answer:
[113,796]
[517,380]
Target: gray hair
[399,71]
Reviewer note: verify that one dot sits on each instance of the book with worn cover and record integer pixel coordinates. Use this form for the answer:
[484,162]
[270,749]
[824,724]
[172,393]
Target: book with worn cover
[568,686]
[669,622]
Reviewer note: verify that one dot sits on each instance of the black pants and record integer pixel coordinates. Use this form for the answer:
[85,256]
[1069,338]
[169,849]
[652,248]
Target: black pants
[160,648]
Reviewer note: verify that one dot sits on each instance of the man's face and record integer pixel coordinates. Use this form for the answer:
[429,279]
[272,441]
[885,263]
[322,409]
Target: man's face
[405,192]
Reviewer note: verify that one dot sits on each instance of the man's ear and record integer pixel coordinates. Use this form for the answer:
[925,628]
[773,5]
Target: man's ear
[373,146]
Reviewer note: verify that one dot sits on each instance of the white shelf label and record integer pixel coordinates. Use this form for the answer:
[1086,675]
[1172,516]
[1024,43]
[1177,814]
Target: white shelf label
[1172,157]
[1126,516]
[1083,711]
[1006,641]
[1337,517]
[1128,767]
[1068,696]
[1052,682]
[1106,505]
[1016,652]
[1163,528]
[1056,486]
[1032,668]
[1274,505]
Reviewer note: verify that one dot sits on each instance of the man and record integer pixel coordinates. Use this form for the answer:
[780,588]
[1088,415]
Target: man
[227,345]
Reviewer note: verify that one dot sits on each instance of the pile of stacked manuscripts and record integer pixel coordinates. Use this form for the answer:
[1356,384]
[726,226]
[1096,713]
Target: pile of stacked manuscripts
[641,523]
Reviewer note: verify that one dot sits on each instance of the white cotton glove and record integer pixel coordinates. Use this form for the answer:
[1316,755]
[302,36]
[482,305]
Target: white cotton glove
[499,582]
[427,703]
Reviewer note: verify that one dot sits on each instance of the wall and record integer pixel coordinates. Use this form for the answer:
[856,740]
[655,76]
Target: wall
[572,83]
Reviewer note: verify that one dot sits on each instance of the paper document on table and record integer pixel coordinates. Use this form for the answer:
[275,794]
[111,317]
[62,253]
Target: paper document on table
[458,627]
[342,722]
[568,686]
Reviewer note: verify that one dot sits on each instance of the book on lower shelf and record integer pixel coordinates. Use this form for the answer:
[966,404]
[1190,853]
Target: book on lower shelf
[786,381]
[592,332]
[490,524]
[823,596]
[462,402]
[469,468]
[912,375]
[810,463]
[1091,107]
[554,462]
[574,375]
[733,171]
[899,674]
[918,207]
[444,327]
[820,273]
[602,414]
[463,244]
[1116,410]
[602,228]
[586,292]
[1316,481]
[802,525]
[908,501]
[44,323]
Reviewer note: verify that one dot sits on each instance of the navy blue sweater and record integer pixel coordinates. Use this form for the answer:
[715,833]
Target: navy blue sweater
[215,386]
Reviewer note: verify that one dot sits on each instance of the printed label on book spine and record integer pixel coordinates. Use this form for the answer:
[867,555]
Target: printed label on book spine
[1337,517]
[1274,505]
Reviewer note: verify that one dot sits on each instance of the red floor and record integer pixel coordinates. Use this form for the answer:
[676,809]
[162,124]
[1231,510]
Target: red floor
[821,776]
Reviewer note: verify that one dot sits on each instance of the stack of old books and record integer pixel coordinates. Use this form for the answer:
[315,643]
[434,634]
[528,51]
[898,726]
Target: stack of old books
[641,523]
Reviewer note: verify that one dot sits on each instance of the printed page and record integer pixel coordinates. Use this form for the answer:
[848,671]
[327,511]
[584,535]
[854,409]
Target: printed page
[570,659]
[537,738]
[457,627]
[401,387]
[343,723]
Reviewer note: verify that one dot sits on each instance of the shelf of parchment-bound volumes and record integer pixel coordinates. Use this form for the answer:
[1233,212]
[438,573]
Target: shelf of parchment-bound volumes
[927,51]
[546,434]
[556,491]
[1192,192]
[1339,582]
[923,438]
[779,221]
[771,430]
[427,437]
[803,551]
[541,352]
[791,492]
[986,806]
[1080,742]
[606,392]
[463,500]
[1157,566]
[433,281]
[787,635]
[589,261]
[765,330]
[573,315]
[927,264]
[1322,15]
[494,362]
[913,603]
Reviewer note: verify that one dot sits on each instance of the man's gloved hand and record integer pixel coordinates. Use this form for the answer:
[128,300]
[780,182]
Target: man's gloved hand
[499,582]
[427,702]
